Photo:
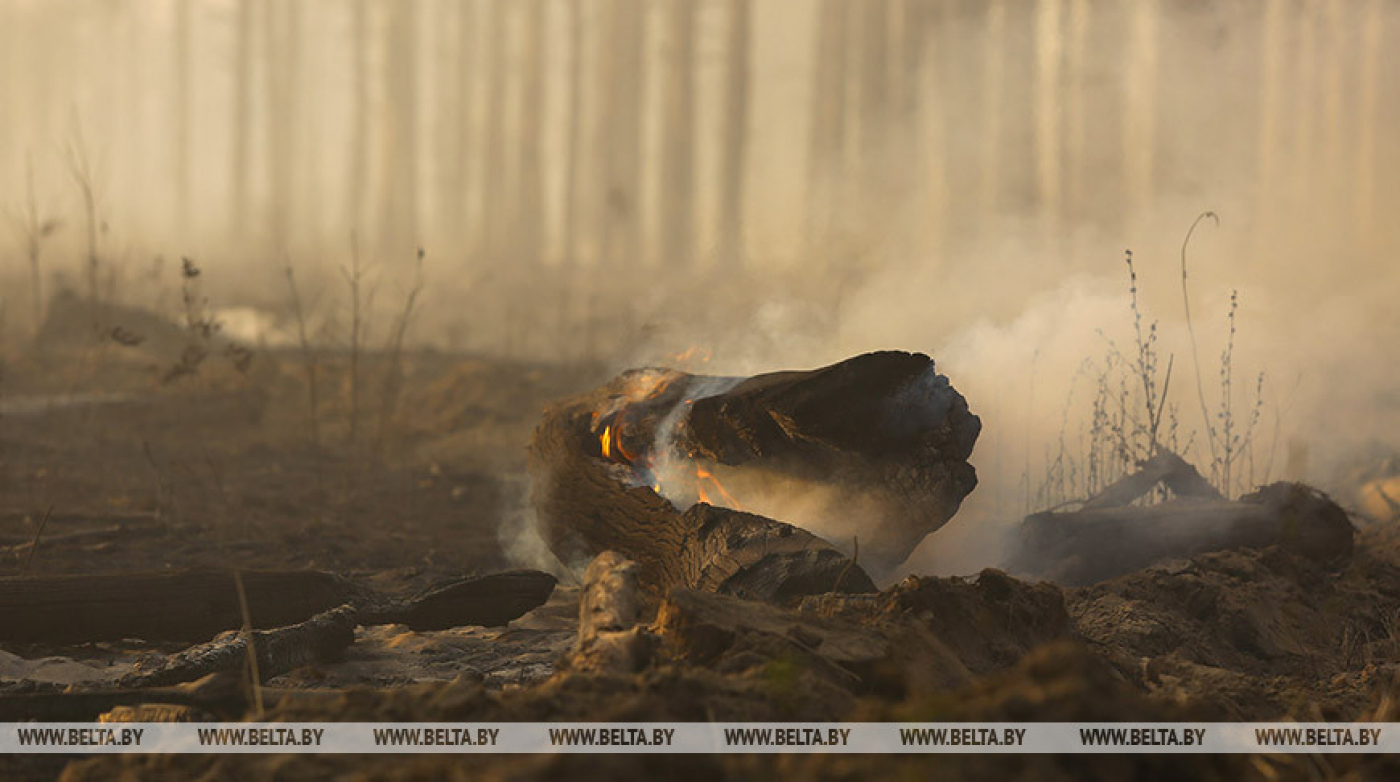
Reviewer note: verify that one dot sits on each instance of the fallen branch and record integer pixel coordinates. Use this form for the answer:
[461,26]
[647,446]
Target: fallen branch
[1094,544]
[277,651]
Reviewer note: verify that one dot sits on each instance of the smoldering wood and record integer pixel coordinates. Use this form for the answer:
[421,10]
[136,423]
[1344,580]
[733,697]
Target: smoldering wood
[587,506]
[320,638]
[1097,543]
[195,605]
[490,601]
[884,425]
[1165,468]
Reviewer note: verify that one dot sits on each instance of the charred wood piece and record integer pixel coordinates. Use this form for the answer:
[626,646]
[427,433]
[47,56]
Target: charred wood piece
[1097,543]
[320,638]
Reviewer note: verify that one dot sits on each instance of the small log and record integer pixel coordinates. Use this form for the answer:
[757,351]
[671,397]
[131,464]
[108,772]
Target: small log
[884,426]
[1165,468]
[195,605]
[610,608]
[490,601]
[1094,544]
[278,651]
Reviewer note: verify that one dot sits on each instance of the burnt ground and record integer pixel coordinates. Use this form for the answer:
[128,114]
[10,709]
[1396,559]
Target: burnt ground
[222,468]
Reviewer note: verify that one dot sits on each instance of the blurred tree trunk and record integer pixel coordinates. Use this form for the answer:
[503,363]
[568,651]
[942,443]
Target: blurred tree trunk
[180,94]
[678,149]
[826,146]
[283,23]
[399,216]
[529,212]
[494,200]
[573,150]
[242,98]
[734,154]
[453,202]
[873,41]
[359,114]
[8,42]
[623,86]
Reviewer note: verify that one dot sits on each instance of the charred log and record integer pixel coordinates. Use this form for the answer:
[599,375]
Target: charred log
[1099,542]
[278,651]
[884,427]
[610,609]
[195,605]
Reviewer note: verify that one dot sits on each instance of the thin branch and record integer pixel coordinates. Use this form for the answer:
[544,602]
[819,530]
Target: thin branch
[1191,330]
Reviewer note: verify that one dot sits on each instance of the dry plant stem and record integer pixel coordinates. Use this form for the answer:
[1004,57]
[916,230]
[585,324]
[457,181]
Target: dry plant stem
[255,680]
[308,358]
[1191,330]
[34,229]
[161,492]
[393,378]
[80,167]
[353,278]
[34,546]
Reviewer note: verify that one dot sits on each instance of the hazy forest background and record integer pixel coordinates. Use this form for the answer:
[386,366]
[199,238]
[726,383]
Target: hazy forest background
[744,185]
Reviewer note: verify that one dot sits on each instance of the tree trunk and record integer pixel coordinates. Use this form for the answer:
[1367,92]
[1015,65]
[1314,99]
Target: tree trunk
[180,94]
[623,88]
[399,217]
[282,22]
[826,158]
[496,201]
[734,153]
[529,208]
[574,144]
[359,115]
[678,150]
[242,101]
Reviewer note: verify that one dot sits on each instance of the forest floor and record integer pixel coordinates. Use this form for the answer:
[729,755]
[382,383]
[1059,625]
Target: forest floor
[431,487]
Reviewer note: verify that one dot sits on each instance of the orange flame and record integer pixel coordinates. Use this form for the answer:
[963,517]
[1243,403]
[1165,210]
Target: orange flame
[691,354]
[607,442]
[704,476]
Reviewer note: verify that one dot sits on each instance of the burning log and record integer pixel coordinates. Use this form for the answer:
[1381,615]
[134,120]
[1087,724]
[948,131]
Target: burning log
[195,605]
[1104,540]
[636,466]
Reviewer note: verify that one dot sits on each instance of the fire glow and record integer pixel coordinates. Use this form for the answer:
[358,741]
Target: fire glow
[697,481]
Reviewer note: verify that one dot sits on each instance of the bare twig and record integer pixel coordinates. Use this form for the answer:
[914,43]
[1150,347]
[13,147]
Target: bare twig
[255,679]
[1186,305]
[393,378]
[353,278]
[80,167]
[34,545]
[308,357]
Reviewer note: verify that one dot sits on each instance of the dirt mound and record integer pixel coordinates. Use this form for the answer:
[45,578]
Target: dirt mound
[1255,634]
